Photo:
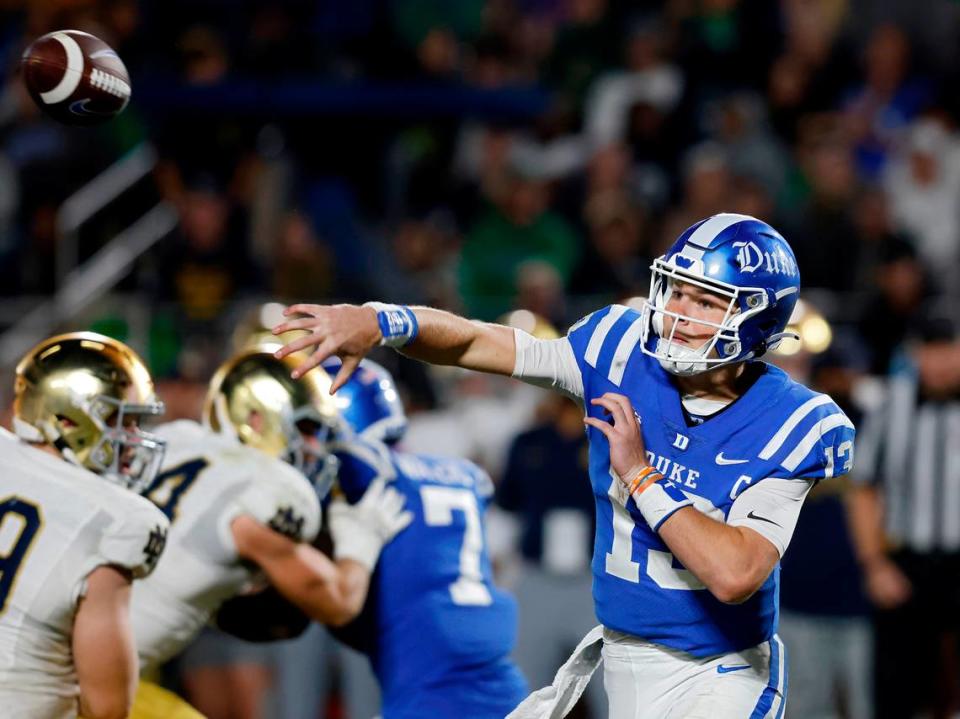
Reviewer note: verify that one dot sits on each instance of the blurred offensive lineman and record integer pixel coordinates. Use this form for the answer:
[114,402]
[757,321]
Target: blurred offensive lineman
[242,509]
[695,510]
[70,540]
[437,631]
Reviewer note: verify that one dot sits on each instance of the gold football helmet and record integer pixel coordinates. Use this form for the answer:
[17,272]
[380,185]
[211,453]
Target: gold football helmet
[256,327]
[84,394]
[253,397]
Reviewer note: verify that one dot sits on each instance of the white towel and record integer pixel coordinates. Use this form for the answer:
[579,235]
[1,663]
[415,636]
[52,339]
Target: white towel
[554,701]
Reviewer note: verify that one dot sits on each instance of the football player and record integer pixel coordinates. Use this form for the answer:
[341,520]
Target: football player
[73,530]
[243,512]
[437,631]
[695,510]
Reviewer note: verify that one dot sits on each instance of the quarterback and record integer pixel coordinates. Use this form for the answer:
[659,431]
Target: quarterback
[239,492]
[697,504]
[73,530]
[433,588]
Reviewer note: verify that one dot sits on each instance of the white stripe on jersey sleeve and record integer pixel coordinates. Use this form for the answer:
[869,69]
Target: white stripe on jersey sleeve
[816,432]
[547,363]
[627,344]
[776,442]
[600,333]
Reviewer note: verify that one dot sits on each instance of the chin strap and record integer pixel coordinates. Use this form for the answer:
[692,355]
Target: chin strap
[45,434]
[27,432]
[774,341]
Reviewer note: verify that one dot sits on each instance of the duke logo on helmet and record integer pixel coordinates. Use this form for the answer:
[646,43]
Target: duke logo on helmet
[741,259]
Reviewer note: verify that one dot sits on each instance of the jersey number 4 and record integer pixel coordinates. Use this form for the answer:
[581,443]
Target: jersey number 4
[439,504]
[19,523]
[168,488]
[619,560]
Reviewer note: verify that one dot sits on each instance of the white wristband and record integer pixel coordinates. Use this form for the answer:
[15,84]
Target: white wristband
[398,324]
[659,501]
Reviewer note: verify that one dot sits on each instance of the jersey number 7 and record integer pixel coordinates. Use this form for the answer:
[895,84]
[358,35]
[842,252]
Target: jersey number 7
[439,504]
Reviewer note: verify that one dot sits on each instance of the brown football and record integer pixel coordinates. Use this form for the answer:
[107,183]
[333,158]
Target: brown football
[75,77]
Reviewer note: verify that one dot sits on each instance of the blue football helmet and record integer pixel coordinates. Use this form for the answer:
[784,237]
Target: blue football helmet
[369,401]
[737,257]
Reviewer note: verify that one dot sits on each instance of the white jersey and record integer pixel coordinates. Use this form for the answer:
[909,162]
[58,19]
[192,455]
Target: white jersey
[58,523]
[208,479]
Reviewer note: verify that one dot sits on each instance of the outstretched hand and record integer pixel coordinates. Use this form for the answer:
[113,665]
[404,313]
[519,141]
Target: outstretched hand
[627,451]
[347,331]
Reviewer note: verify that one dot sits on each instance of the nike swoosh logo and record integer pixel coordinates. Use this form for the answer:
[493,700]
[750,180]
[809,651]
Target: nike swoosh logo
[751,515]
[721,460]
[735,668]
[79,107]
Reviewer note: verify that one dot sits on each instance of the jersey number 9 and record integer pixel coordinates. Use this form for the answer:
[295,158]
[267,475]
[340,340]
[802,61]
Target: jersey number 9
[19,523]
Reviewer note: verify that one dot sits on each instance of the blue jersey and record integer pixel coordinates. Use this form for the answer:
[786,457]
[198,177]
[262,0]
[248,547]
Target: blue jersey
[436,629]
[777,429]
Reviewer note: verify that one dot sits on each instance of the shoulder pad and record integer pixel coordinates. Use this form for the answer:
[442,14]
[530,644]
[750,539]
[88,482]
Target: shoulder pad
[135,538]
[604,340]
[361,462]
[281,498]
[815,440]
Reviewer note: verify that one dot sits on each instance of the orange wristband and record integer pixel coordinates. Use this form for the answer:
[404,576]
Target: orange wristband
[645,477]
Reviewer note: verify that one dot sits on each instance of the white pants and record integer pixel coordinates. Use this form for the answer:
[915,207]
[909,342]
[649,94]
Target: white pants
[648,681]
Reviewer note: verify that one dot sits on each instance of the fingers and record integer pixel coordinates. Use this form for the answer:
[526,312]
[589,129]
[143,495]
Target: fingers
[326,348]
[605,427]
[296,345]
[350,363]
[620,409]
[609,403]
[302,309]
[375,490]
[403,520]
[301,323]
[308,364]
[392,501]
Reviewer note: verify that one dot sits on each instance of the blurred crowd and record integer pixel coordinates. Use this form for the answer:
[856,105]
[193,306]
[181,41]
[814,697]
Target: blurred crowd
[488,156]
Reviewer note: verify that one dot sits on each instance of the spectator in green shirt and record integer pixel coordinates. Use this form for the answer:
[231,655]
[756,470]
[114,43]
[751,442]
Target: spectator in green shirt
[517,228]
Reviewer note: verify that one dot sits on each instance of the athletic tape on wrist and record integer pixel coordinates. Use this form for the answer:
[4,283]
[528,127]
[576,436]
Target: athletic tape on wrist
[658,501]
[398,324]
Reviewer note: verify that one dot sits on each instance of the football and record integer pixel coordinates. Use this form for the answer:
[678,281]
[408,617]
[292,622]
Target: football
[75,77]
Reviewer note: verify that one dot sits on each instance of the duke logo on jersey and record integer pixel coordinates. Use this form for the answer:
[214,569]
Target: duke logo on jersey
[777,429]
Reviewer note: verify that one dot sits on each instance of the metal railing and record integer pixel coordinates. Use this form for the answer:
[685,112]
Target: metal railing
[93,197]
[88,282]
